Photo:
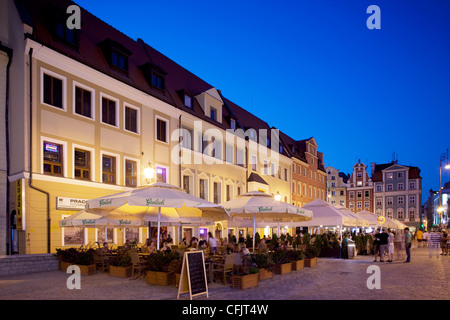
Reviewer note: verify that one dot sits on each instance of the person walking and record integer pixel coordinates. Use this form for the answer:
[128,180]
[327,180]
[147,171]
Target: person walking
[434,242]
[419,235]
[398,241]
[407,245]
[384,244]
[212,243]
[390,245]
[376,244]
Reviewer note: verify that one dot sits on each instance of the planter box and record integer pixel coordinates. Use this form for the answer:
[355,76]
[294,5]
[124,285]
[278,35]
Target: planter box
[330,252]
[84,270]
[160,278]
[310,262]
[283,268]
[245,281]
[298,265]
[121,272]
[265,274]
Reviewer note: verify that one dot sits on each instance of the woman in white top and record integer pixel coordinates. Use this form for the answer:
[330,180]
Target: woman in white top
[398,241]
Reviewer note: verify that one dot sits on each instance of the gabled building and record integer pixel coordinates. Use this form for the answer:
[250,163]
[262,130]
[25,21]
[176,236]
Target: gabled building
[398,192]
[360,189]
[336,186]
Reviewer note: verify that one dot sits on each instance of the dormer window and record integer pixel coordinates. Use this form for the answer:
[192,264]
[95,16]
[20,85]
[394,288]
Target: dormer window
[56,20]
[119,60]
[69,36]
[233,124]
[213,113]
[154,75]
[187,101]
[116,54]
[157,80]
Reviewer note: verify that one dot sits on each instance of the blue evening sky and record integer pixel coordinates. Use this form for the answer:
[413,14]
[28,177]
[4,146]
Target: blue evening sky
[312,68]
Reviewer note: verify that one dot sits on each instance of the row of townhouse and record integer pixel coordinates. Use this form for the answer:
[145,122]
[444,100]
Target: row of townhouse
[391,190]
[90,110]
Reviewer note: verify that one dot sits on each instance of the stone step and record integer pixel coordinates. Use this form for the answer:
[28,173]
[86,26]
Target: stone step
[20,264]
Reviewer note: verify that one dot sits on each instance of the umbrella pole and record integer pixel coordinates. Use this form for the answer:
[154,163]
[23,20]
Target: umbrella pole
[159,226]
[254,231]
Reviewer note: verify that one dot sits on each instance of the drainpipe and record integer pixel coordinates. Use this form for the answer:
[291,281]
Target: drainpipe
[30,180]
[9,51]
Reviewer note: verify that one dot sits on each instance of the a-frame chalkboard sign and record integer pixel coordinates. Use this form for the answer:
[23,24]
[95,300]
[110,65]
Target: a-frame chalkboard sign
[193,275]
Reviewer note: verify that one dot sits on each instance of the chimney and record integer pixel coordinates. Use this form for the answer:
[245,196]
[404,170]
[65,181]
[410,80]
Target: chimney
[372,169]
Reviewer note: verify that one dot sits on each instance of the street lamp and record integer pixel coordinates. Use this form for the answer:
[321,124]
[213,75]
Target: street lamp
[278,196]
[149,173]
[440,209]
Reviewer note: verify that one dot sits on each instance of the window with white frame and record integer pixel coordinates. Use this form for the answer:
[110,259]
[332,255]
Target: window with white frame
[390,187]
[390,201]
[53,89]
[379,201]
[412,199]
[110,110]
[400,200]
[132,118]
[412,185]
[412,213]
[400,186]
[162,130]
[390,213]
[400,213]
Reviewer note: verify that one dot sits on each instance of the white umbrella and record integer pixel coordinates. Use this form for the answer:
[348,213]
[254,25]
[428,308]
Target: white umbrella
[374,223]
[159,202]
[360,221]
[263,209]
[91,220]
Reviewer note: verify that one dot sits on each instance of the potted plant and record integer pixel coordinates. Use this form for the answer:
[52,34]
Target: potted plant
[174,270]
[298,259]
[120,265]
[82,258]
[282,262]
[158,265]
[245,275]
[311,254]
[264,264]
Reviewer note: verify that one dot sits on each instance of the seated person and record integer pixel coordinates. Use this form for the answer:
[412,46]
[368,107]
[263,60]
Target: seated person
[244,249]
[105,248]
[166,247]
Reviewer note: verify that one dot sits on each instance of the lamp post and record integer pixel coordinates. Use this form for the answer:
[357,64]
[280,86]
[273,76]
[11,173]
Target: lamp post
[149,173]
[440,209]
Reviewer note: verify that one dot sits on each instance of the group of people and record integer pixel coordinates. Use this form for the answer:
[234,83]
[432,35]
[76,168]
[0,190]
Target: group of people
[386,242]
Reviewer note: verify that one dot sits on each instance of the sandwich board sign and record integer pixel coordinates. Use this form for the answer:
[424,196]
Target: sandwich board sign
[193,275]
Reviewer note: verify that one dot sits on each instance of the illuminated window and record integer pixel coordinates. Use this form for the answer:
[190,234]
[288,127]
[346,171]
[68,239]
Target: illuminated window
[109,169]
[53,162]
[130,173]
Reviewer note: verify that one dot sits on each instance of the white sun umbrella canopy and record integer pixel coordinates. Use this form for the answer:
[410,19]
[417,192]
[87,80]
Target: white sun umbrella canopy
[91,220]
[325,214]
[374,222]
[359,221]
[256,208]
[159,202]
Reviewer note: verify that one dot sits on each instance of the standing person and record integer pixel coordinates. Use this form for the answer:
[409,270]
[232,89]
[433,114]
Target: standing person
[390,245]
[376,244]
[384,244]
[407,245]
[419,235]
[443,242]
[398,241]
[212,242]
[447,245]
[434,241]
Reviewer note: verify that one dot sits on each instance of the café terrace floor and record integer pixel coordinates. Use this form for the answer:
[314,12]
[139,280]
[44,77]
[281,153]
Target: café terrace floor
[423,279]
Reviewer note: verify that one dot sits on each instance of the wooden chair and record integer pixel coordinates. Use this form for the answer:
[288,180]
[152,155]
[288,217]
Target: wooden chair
[137,264]
[226,267]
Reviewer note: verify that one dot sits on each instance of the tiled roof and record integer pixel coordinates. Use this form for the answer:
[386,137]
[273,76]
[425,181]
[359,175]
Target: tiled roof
[94,32]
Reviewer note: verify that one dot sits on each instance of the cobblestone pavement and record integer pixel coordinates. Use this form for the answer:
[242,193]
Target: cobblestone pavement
[422,279]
